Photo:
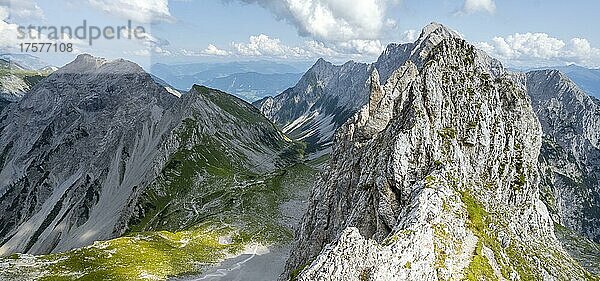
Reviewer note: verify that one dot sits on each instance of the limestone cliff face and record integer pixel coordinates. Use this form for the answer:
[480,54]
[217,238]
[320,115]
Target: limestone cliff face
[436,178]
[570,156]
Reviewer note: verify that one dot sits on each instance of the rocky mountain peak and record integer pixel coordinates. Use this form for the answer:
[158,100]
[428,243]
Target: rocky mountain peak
[86,64]
[437,29]
[81,148]
[395,55]
[327,95]
[321,63]
[570,151]
[320,69]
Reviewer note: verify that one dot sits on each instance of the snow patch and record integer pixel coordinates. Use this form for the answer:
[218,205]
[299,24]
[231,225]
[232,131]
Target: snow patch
[173,92]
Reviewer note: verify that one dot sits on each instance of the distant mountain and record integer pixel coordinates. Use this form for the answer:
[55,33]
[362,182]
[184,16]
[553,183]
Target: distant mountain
[26,61]
[16,80]
[587,79]
[570,154]
[252,86]
[183,76]
[438,164]
[327,95]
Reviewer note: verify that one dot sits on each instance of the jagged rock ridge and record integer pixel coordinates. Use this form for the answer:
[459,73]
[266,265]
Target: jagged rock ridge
[436,178]
[322,100]
[328,95]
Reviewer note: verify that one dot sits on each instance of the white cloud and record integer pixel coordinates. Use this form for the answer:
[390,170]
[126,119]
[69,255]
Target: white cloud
[263,45]
[318,49]
[141,11]
[151,44]
[140,53]
[332,20]
[22,10]
[214,51]
[8,31]
[363,47]
[541,48]
[10,41]
[145,38]
[473,6]
[410,35]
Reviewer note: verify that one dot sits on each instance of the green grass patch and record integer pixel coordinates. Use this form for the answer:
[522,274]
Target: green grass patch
[31,77]
[448,133]
[480,269]
[143,256]
[296,272]
[232,105]
[478,222]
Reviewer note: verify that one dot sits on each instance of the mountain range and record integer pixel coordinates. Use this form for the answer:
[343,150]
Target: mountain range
[253,86]
[432,163]
[250,80]
[588,79]
[156,162]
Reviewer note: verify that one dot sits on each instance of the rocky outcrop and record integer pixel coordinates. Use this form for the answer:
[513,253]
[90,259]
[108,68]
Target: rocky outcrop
[83,151]
[570,155]
[435,178]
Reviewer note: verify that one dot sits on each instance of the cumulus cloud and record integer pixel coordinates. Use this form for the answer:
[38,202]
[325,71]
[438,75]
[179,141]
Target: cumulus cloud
[265,46]
[541,48]
[362,47]
[151,45]
[8,31]
[9,35]
[332,20]
[141,11]
[473,6]
[319,49]
[214,51]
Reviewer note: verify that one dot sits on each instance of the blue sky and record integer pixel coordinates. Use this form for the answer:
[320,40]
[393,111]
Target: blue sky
[520,33]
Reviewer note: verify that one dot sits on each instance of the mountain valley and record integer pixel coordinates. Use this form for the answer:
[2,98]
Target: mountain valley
[432,163]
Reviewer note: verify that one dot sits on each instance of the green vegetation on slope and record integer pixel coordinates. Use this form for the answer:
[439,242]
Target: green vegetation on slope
[232,105]
[585,251]
[480,269]
[513,258]
[31,77]
[144,256]
[157,255]
[478,222]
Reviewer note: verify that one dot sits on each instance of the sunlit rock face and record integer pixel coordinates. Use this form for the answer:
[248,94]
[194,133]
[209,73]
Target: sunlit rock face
[435,178]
